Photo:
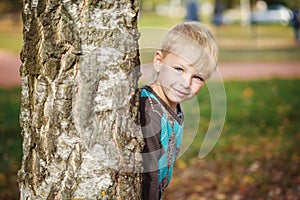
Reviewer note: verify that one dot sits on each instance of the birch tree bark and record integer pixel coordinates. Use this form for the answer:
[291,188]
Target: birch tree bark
[79,75]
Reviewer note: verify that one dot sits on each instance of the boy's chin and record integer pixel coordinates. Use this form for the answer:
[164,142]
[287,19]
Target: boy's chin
[177,100]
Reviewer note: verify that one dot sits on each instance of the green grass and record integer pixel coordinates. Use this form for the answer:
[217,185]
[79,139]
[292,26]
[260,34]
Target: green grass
[11,42]
[149,19]
[11,147]
[263,108]
[260,31]
[290,54]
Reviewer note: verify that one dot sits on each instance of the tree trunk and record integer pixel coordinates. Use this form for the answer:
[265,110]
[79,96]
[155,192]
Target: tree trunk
[79,74]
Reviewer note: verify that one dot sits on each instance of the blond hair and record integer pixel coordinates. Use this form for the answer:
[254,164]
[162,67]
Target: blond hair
[198,40]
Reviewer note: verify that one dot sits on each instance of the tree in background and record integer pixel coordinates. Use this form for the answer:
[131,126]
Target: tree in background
[79,76]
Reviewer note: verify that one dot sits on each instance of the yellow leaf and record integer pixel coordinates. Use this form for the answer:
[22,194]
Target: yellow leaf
[181,164]
[248,92]
[248,179]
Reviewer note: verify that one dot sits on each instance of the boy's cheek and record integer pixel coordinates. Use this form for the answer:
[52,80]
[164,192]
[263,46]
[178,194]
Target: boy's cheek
[198,89]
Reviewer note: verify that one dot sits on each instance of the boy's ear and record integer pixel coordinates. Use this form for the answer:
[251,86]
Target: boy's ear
[157,60]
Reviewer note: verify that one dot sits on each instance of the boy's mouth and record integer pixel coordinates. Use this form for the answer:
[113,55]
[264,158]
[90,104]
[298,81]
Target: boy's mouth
[180,92]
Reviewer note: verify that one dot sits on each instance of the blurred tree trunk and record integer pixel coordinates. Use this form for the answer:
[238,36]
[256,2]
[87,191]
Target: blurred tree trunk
[79,74]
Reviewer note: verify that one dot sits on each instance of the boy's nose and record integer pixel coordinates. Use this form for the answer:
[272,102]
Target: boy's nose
[186,82]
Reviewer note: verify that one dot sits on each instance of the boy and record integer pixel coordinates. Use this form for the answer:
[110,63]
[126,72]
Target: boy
[187,57]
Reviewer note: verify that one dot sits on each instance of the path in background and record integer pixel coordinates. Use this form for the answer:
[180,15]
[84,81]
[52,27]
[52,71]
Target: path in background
[9,69]
[10,65]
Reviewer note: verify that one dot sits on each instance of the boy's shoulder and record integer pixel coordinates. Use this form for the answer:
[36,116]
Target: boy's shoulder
[147,92]
[149,100]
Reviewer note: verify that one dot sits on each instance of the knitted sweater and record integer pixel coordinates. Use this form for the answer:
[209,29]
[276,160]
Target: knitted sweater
[162,130]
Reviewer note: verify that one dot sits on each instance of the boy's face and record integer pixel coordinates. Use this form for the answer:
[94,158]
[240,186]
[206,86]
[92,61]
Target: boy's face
[178,80]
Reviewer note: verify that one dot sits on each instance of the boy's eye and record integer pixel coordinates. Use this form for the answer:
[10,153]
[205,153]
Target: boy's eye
[178,69]
[199,78]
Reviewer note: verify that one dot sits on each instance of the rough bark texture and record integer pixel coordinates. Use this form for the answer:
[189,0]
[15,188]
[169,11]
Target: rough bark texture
[79,74]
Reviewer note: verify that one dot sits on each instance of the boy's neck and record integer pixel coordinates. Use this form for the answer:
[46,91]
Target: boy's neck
[159,91]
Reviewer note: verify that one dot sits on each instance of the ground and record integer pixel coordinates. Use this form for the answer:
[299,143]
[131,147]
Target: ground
[9,69]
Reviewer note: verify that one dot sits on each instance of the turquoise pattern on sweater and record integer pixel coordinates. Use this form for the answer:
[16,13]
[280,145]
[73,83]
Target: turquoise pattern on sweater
[164,169]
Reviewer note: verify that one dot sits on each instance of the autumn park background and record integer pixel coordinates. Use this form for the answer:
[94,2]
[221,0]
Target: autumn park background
[258,153]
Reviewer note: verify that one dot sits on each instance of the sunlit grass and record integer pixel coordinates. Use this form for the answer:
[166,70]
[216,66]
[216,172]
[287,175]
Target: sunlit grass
[262,31]
[150,19]
[11,34]
[290,54]
[11,42]
[255,109]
